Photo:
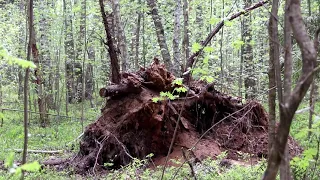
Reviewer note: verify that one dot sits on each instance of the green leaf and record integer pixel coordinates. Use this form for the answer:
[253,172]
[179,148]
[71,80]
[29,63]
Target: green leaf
[237,44]
[214,20]
[11,60]
[205,60]
[31,167]
[196,47]
[1,115]
[177,81]
[180,89]
[150,155]
[108,164]
[9,160]
[228,23]
[208,49]
[155,99]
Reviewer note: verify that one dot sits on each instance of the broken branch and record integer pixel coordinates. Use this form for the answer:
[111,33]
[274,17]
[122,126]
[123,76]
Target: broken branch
[191,59]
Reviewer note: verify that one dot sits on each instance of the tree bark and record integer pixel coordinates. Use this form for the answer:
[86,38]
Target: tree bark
[249,80]
[115,69]
[274,55]
[38,71]
[186,43]
[288,107]
[70,54]
[285,164]
[26,81]
[176,39]
[121,35]
[137,41]
[221,51]
[160,34]
[44,56]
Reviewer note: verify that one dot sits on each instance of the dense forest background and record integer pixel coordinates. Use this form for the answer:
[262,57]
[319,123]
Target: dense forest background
[72,60]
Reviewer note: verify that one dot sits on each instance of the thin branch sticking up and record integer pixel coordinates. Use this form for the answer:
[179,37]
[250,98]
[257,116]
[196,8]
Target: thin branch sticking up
[191,59]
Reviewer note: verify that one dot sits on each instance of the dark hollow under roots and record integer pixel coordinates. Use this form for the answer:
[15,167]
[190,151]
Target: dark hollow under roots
[133,126]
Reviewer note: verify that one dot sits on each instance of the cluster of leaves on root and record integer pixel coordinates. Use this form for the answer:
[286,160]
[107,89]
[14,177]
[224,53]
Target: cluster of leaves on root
[203,72]
[170,95]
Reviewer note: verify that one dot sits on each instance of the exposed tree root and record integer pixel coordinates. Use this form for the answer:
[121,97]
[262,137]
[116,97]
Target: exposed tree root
[133,126]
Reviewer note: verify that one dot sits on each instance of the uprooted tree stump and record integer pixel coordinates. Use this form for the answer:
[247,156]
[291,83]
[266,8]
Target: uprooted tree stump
[133,126]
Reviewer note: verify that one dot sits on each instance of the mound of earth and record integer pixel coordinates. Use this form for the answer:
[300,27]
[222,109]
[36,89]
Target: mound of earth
[132,125]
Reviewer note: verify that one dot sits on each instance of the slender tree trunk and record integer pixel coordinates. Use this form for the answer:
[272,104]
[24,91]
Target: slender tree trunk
[285,163]
[84,28]
[160,34]
[249,81]
[313,91]
[312,100]
[137,35]
[144,53]
[115,77]
[26,80]
[274,55]
[1,118]
[89,84]
[121,35]
[38,72]
[22,50]
[186,42]
[241,62]
[176,39]
[44,56]
[69,51]
[221,50]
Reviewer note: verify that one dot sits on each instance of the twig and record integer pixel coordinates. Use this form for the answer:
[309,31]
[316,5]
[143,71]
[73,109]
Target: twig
[124,148]
[96,160]
[190,165]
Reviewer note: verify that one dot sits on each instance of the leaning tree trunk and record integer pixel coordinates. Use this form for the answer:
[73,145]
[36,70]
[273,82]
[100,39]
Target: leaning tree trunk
[160,34]
[115,69]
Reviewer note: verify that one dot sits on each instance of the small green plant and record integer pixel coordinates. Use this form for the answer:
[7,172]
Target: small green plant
[169,95]
[17,170]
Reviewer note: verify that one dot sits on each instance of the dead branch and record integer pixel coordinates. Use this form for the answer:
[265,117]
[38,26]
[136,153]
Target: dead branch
[39,151]
[215,30]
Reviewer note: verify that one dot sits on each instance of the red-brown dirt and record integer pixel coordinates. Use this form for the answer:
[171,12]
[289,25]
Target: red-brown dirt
[132,125]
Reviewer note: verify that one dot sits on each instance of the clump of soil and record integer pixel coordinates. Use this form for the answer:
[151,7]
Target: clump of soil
[133,126]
